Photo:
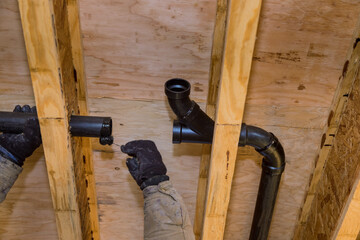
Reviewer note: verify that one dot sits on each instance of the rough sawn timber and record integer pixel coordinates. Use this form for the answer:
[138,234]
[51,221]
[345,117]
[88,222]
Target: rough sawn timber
[241,28]
[46,28]
[214,79]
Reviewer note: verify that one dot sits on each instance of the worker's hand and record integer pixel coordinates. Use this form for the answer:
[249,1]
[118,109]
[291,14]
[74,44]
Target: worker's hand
[21,146]
[146,165]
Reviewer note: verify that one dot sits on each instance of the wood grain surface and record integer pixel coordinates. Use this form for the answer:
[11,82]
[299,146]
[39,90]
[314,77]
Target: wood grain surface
[240,35]
[49,49]
[216,63]
[131,48]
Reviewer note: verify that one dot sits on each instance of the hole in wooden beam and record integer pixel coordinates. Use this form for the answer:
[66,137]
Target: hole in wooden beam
[84,159]
[331,115]
[323,138]
[356,42]
[345,68]
[75,75]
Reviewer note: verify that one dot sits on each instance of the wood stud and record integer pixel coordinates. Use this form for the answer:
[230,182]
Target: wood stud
[239,46]
[58,94]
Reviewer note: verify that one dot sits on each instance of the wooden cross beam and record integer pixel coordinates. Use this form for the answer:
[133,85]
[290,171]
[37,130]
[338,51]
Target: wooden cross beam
[214,79]
[54,50]
[242,23]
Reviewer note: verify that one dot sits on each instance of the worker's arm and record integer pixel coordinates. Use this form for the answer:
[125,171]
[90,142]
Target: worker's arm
[14,148]
[165,214]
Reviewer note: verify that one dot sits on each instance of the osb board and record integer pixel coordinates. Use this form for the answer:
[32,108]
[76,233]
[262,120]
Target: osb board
[132,48]
[341,172]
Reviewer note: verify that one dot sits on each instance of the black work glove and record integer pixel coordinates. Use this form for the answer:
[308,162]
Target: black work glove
[22,145]
[146,165]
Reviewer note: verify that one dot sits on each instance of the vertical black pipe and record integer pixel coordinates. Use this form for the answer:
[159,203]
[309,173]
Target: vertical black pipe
[268,189]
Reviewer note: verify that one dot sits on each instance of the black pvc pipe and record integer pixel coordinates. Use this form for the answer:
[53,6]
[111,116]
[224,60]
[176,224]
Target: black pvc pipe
[263,142]
[80,126]
[87,126]
[188,112]
[181,133]
[195,126]
[265,202]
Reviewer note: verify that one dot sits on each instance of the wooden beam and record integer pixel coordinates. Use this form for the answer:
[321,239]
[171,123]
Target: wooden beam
[86,146]
[338,167]
[350,226]
[241,30]
[214,79]
[58,94]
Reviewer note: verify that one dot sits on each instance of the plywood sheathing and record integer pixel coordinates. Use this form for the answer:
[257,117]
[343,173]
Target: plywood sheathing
[300,53]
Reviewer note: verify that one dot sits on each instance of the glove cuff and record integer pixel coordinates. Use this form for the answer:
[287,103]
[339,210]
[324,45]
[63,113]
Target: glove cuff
[6,154]
[155,180]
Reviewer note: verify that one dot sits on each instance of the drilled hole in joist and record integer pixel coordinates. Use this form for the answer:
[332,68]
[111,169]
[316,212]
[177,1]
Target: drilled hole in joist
[323,138]
[345,68]
[75,75]
[356,42]
[331,115]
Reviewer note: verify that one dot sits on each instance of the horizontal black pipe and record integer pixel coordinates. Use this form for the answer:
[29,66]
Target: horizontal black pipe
[81,126]
[181,133]
[263,142]
[88,126]
[194,125]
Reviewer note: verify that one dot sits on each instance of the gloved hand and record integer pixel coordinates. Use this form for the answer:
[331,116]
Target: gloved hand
[146,165]
[21,146]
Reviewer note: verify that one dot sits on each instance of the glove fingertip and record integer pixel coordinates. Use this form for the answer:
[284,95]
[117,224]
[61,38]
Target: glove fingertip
[26,109]
[122,148]
[33,109]
[17,108]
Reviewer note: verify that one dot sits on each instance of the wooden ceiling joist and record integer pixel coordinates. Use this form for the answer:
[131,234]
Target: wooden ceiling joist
[241,28]
[214,79]
[337,172]
[81,87]
[54,52]
[350,226]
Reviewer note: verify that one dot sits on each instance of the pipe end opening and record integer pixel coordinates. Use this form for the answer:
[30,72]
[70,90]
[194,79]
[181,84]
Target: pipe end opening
[177,88]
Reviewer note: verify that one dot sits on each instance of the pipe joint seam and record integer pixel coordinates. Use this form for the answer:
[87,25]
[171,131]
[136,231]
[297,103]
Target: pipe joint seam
[190,115]
[273,171]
